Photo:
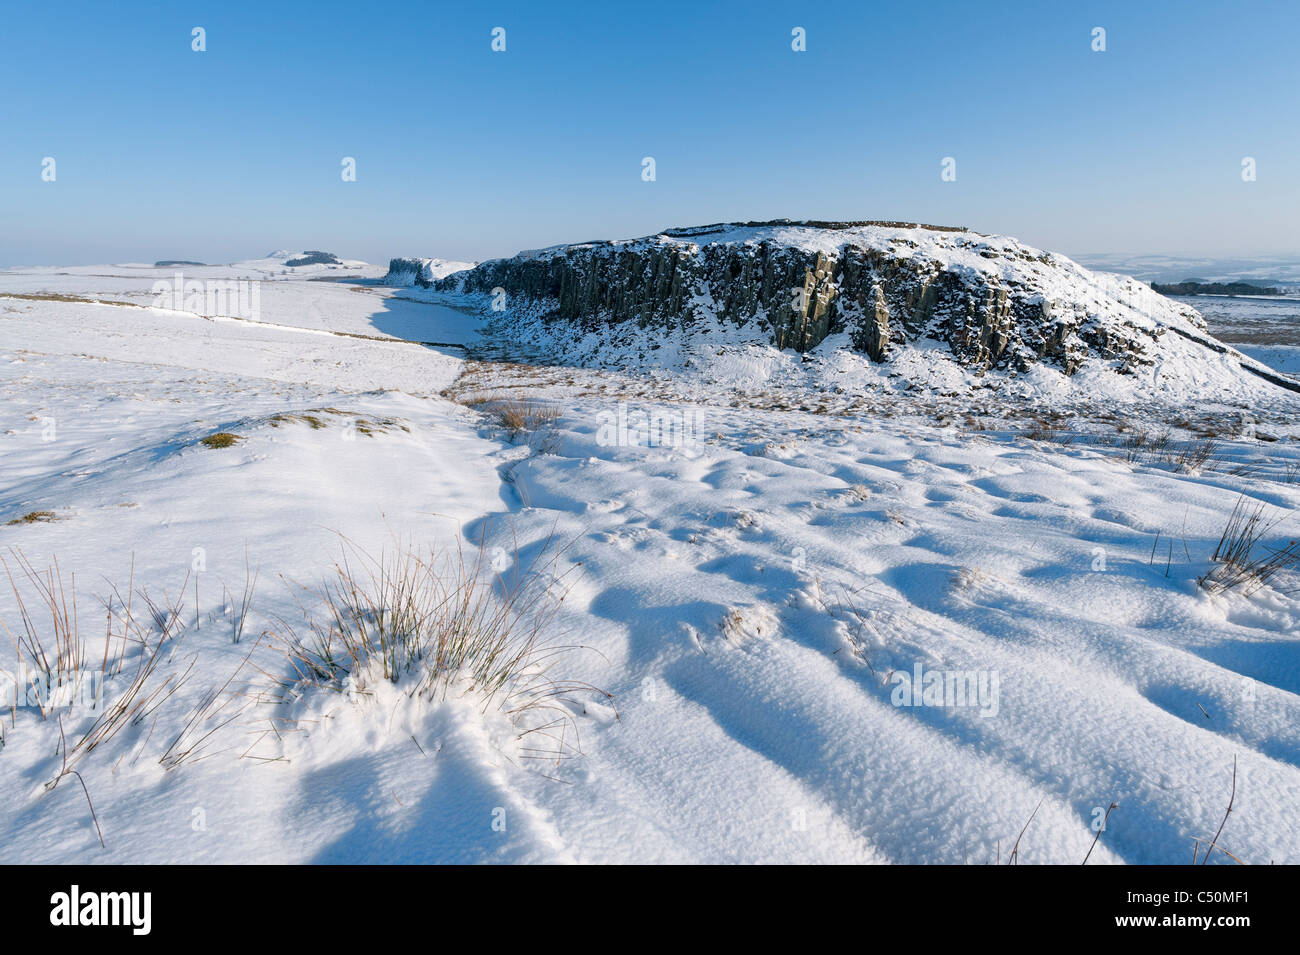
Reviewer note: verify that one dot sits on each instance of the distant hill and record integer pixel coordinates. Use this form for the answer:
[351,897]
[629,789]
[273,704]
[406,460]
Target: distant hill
[314,258]
[1193,287]
[168,263]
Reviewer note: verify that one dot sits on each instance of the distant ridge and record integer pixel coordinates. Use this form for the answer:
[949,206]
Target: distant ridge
[311,257]
[1194,287]
[810,224]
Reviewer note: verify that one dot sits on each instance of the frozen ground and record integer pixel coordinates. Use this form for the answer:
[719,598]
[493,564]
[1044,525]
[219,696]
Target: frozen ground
[750,596]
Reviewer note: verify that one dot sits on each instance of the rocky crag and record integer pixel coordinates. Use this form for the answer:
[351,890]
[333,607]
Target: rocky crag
[407,272]
[992,301]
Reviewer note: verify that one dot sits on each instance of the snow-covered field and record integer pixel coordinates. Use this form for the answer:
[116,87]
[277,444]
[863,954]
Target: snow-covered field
[756,595]
[1265,328]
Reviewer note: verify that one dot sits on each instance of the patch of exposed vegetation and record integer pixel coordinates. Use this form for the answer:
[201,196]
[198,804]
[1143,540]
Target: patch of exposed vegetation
[35,517]
[287,417]
[1241,559]
[60,297]
[520,416]
[222,439]
[315,418]
[1158,448]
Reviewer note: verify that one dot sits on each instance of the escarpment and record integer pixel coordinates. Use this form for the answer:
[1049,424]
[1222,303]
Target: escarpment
[988,300]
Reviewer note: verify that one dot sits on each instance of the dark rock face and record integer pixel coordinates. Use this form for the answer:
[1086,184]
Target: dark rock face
[408,272]
[892,283]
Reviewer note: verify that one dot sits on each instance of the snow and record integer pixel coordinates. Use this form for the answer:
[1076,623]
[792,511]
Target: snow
[750,597]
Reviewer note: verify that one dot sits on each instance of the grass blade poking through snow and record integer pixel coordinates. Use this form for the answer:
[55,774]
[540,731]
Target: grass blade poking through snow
[57,660]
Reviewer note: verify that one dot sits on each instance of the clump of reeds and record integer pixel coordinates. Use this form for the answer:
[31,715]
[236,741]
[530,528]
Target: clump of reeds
[434,622]
[1241,558]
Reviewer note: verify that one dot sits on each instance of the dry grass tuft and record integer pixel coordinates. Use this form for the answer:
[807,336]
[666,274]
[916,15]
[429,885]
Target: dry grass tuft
[1142,445]
[50,643]
[521,416]
[431,623]
[286,417]
[1241,558]
[57,674]
[35,517]
[1044,430]
[1191,457]
[1159,449]
[315,418]
[857,493]
[518,415]
[222,439]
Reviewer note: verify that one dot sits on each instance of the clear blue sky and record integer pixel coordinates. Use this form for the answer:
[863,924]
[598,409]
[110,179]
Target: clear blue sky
[461,152]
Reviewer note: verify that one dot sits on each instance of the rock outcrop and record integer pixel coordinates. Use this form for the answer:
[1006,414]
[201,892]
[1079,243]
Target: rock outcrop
[992,301]
[409,272]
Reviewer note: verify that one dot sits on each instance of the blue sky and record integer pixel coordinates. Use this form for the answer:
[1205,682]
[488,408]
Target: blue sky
[162,152]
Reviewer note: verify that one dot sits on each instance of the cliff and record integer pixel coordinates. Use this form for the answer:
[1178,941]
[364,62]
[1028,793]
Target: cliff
[423,272]
[991,300]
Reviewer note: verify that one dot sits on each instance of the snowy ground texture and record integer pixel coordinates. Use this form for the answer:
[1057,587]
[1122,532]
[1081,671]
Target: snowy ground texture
[754,597]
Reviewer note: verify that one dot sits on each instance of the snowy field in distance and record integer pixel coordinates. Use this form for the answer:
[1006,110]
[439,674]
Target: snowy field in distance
[1267,328]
